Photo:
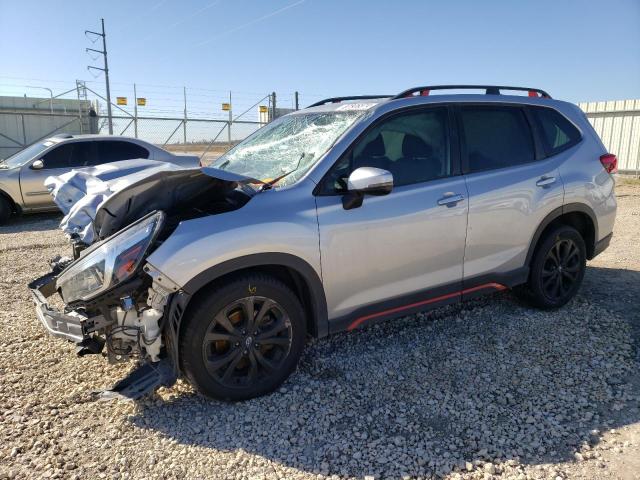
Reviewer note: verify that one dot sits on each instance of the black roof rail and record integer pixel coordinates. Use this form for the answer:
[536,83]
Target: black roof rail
[342,99]
[489,90]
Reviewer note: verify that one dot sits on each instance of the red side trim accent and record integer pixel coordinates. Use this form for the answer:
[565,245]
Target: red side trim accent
[360,320]
[495,286]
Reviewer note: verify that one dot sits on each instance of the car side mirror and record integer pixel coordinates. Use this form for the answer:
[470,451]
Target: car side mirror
[366,181]
[37,165]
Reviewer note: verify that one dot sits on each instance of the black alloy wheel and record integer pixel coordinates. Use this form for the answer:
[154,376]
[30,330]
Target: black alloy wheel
[247,341]
[557,269]
[561,269]
[242,338]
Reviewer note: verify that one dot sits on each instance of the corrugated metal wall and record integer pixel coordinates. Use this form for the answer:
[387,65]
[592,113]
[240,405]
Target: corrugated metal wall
[618,124]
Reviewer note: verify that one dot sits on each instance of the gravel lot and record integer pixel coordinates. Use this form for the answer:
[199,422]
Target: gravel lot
[491,389]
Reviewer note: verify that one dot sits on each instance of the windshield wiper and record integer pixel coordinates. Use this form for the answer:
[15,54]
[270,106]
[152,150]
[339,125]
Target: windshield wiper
[268,185]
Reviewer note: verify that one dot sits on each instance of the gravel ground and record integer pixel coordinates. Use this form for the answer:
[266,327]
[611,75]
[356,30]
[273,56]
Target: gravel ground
[491,389]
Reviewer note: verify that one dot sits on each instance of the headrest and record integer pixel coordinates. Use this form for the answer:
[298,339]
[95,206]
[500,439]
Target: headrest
[375,148]
[414,146]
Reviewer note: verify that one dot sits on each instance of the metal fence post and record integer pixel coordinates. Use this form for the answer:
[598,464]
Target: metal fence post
[296,102]
[184,125]
[24,132]
[135,111]
[273,106]
[230,120]
[80,107]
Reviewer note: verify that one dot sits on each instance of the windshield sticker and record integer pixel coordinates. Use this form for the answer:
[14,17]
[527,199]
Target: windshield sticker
[355,106]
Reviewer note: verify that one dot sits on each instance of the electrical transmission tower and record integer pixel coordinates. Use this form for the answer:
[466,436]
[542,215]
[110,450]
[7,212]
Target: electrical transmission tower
[103,52]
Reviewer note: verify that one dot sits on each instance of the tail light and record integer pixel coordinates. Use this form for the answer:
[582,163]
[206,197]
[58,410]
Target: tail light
[610,162]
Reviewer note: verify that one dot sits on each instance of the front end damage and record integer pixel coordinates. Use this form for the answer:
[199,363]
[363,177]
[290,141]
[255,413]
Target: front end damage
[113,302]
[125,328]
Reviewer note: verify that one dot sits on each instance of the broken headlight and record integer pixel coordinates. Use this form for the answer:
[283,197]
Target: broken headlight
[111,262]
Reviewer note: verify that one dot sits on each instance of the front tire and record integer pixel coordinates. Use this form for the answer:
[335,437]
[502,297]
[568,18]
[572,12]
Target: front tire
[557,269]
[243,339]
[5,210]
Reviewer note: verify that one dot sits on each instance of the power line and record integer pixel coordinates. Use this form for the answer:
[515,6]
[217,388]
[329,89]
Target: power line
[252,22]
[188,17]
[194,14]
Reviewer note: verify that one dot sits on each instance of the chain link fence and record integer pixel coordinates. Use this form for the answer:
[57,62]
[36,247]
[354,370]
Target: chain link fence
[19,130]
[207,122]
[204,137]
[199,121]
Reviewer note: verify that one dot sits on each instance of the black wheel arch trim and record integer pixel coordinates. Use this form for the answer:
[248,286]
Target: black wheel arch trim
[318,302]
[15,207]
[556,213]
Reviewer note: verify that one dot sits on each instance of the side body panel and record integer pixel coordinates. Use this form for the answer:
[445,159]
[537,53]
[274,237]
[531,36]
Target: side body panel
[35,195]
[505,208]
[10,185]
[274,221]
[391,246]
[585,180]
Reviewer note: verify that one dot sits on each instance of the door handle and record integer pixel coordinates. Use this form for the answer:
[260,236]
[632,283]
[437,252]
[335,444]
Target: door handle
[450,200]
[545,181]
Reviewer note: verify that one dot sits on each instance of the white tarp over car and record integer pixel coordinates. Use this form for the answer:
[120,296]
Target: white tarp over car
[80,193]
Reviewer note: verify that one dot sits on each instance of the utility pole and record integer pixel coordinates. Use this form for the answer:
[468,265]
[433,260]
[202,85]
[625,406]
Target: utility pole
[103,52]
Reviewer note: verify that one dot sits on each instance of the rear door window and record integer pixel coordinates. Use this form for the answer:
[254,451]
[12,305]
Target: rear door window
[556,131]
[116,150]
[495,137]
[83,155]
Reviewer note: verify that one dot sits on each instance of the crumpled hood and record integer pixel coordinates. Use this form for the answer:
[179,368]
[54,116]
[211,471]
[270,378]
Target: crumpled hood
[162,190]
[100,201]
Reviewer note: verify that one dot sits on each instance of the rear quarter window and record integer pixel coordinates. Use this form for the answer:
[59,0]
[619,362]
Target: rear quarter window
[556,131]
[117,150]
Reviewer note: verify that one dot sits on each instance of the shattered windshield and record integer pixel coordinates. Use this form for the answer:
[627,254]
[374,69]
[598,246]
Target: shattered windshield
[291,144]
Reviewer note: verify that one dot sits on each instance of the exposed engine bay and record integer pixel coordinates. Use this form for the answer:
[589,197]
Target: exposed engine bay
[114,303]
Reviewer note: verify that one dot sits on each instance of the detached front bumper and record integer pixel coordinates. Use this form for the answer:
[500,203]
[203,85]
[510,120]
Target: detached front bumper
[71,326]
[79,329]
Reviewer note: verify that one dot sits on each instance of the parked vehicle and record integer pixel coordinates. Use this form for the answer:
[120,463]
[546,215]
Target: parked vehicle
[22,175]
[354,210]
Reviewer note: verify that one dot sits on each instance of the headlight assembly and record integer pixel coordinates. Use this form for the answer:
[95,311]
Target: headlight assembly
[110,262]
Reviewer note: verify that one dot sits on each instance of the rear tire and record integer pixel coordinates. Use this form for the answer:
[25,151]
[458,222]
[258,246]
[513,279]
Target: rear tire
[557,269]
[243,339]
[5,210]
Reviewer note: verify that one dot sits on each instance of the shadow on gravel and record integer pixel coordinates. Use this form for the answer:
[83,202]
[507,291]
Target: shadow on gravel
[421,396]
[37,222]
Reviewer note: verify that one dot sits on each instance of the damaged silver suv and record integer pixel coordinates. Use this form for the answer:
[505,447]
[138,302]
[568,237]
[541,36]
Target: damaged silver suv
[354,210]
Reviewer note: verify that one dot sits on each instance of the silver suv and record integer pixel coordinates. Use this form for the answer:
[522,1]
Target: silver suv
[354,210]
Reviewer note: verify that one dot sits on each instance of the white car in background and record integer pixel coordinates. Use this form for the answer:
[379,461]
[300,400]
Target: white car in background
[22,175]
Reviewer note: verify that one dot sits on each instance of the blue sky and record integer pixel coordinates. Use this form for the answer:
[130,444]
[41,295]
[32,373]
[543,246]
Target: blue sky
[576,50]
